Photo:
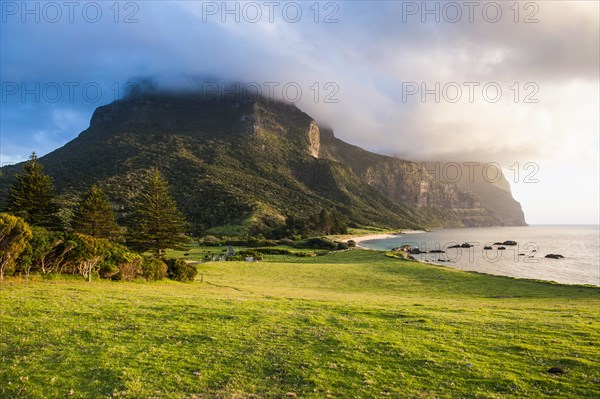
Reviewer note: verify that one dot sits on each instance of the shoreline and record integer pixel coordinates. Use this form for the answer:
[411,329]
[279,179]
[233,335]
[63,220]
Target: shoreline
[382,236]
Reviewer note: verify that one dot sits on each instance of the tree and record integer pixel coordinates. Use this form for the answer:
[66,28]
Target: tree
[94,216]
[14,236]
[340,222]
[155,224]
[88,254]
[32,196]
[45,252]
[326,223]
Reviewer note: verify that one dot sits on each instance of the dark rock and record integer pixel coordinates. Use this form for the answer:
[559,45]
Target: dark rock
[501,248]
[556,370]
[554,256]
[509,243]
[454,246]
[487,247]
[521,254]
[466,245]
[437,251]
[497,243]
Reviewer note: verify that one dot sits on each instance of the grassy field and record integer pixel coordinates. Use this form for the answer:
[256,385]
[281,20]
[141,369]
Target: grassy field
[351,324]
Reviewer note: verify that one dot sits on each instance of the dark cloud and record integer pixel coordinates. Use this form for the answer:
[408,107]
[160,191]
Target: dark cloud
[363,62]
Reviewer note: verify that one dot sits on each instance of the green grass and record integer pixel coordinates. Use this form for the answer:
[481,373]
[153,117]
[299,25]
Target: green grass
[202,253]
[198,252]
[352,324]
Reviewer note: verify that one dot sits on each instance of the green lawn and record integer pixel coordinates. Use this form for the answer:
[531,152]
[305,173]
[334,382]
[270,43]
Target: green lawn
[351,324]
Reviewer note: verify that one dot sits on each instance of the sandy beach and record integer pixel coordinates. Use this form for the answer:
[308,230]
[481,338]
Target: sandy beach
[360,239]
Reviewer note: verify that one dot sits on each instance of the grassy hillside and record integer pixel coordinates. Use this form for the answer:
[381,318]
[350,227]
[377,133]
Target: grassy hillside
[346,325]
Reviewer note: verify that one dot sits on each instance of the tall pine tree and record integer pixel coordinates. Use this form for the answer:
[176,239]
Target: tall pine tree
[155,223]
[32,196]
[95,217]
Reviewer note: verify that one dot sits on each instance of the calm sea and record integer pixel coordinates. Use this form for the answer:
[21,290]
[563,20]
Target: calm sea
[580,246]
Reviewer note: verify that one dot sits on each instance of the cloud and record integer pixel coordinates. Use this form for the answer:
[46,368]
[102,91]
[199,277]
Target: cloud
[367,58]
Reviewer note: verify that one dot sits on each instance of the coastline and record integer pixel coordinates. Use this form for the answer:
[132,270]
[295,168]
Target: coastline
[526,260]
[381,236]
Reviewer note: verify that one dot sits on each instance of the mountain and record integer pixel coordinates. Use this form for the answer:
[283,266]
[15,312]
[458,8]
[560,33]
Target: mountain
[246,165]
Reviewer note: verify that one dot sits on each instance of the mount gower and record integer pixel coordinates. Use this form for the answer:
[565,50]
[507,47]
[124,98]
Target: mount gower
[244,166]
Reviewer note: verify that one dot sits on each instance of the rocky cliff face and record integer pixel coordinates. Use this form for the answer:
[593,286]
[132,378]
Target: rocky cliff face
[251,163]
[464,188]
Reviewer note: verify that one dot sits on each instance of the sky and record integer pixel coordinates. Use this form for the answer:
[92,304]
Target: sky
[509,83]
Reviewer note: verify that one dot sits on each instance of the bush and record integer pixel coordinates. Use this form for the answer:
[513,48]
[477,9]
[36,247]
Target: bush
[211,241]
[301,254]
[108,270]
[318,243]
[178,270]
[351,243]
[272,251]
[89,253]
[286,241]
[342,246]
[15,234]
[128,264]
[130,270]
[154,269]
[41,251]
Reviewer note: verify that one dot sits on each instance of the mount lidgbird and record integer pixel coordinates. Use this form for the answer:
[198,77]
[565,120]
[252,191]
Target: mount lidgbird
[249,164]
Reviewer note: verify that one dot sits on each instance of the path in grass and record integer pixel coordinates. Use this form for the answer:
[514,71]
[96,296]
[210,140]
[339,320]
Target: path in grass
[346,325]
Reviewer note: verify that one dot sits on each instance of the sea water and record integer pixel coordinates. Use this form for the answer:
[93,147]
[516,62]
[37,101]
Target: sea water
[580,246]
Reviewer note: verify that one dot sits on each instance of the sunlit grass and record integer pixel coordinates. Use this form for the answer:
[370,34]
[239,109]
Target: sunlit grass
[349,324]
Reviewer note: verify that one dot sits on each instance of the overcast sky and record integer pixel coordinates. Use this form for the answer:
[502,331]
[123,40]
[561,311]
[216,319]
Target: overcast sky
[517,85]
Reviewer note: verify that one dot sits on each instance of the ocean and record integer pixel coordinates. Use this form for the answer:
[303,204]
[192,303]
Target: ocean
[580,246]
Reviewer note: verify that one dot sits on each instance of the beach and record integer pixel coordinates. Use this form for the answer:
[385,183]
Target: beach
[379,236]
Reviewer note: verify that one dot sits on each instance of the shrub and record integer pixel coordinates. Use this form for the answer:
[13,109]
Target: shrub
[15,233]
[272,251]
[178,270]
[108,270]
[88,254]
[318,243]
[154,269]
[342,246]
[286,241]
[45,251]
[211,241]
[130,270]
[301,254]
[128,264]
[351,243]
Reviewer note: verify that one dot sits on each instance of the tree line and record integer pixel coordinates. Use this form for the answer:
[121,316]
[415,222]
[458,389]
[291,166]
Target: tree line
[34,238]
